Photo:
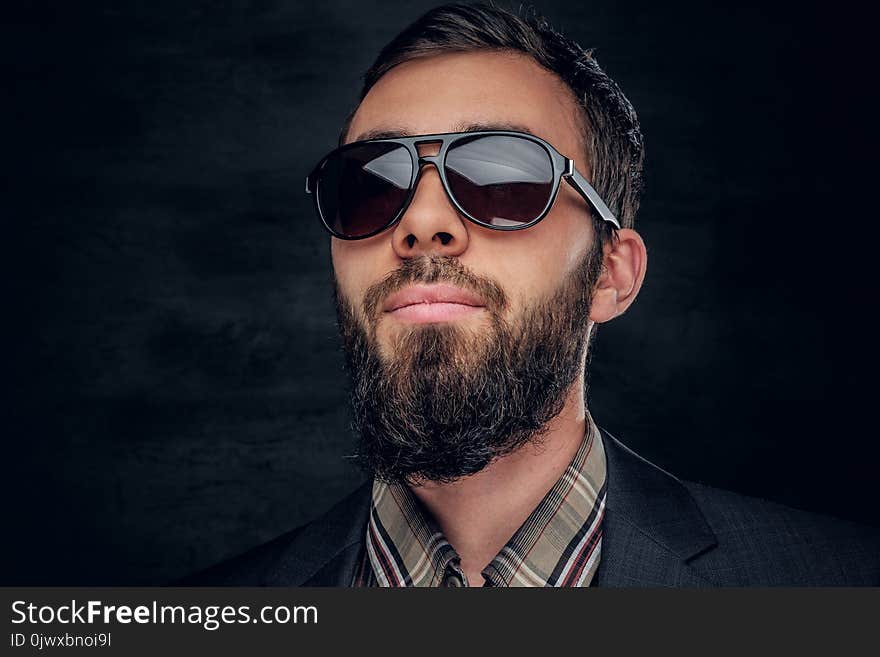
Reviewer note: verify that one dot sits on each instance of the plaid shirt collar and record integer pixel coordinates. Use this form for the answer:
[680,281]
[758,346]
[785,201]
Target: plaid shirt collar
[558,545]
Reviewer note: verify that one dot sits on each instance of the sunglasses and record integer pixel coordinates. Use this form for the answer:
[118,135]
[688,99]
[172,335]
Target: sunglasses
[498,179]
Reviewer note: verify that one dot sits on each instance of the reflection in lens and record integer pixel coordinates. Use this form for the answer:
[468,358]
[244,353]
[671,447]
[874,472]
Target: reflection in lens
[362,188]
[499,179]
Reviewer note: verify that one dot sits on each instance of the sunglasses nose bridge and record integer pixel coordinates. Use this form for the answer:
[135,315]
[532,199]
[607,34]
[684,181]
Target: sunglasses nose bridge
[437,161]
[429,159]
[423,160]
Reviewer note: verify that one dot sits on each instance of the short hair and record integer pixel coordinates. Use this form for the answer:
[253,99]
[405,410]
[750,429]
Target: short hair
[611,133]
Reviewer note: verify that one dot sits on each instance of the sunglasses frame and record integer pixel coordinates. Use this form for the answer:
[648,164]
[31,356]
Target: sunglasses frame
[563,168]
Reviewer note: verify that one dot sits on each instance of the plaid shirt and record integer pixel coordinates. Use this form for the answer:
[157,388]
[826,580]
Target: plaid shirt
[558,545]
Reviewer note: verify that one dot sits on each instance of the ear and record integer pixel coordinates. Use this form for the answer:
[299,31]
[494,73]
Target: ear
[624,263]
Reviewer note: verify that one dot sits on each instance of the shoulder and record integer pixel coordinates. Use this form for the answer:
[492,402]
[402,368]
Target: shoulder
[662,531]
[321,552]
[765,544]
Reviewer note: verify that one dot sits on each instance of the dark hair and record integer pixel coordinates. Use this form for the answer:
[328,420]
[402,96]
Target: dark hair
[612,137]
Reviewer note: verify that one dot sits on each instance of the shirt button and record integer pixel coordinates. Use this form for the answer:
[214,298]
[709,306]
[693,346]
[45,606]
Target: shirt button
[451,580]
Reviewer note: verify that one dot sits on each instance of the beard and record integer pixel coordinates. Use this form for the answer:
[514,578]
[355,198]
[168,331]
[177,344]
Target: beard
[445,401]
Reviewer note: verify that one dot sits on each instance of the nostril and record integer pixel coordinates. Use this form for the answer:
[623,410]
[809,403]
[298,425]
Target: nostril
[445,238]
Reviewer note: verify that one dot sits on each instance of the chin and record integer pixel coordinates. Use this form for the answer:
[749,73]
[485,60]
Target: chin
[432,343]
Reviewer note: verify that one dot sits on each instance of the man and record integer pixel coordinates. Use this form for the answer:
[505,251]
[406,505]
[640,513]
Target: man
[481,208]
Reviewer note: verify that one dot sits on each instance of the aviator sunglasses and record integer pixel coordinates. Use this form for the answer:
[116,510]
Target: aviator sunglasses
[498,179]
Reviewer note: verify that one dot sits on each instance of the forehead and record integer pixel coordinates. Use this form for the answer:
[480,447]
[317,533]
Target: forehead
[445,92]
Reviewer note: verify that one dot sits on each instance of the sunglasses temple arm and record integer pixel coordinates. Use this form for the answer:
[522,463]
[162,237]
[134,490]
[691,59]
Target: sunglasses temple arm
[585,189]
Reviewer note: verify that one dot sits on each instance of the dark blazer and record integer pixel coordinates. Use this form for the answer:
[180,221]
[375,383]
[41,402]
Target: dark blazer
[657,531]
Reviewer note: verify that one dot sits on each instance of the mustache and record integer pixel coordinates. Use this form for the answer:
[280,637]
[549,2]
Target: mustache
[434,269]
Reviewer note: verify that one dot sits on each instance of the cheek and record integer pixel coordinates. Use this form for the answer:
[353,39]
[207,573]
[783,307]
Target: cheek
[357,265]
[527,275]
[533,264]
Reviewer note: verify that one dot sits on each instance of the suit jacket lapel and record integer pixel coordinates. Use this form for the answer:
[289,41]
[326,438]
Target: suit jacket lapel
[325,552]
[652,527]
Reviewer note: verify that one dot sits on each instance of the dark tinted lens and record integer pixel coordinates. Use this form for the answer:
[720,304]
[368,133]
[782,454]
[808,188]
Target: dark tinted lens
[362,188]
[500,180]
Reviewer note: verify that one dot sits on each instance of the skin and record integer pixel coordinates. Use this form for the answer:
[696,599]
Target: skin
[479,514]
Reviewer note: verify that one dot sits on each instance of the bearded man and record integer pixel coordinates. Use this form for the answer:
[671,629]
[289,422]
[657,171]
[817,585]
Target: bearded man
[481,206]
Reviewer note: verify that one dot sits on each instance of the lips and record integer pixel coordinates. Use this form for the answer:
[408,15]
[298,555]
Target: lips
[417,294]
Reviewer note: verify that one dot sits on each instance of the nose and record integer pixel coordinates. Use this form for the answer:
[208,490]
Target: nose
[431,224]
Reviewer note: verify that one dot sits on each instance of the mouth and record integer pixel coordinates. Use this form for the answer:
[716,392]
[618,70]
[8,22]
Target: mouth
[432,303]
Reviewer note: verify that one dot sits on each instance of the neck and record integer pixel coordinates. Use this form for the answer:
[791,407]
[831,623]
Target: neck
[479,514]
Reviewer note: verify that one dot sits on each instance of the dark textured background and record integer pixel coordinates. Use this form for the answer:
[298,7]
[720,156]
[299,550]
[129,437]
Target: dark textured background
[175,392]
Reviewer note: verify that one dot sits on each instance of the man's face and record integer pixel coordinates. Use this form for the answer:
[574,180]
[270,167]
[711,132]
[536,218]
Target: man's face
[441,94]
[442,389]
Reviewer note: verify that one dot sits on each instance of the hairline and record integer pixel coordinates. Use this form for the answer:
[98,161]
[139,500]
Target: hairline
[580,119]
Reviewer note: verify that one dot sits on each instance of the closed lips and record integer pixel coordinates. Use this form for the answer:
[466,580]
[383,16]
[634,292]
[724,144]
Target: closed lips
[429,294]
